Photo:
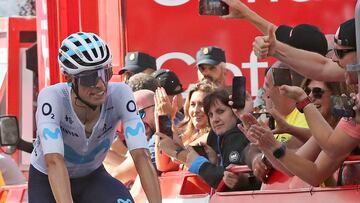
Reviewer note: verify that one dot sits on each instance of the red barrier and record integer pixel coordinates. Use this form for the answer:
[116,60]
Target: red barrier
[15,193]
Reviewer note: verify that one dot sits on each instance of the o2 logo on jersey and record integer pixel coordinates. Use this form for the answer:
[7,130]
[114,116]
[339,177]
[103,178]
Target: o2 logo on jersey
[47,110]
[129,131]
[124,201]
[47,133]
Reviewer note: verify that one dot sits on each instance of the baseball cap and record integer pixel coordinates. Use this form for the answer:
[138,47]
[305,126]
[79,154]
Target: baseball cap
[345,35]
[169,81]
[137,62]
[210,55]
[304,36]
[282,33]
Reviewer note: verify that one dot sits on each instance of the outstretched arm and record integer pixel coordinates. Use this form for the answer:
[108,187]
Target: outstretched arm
[326,137]
[147,174]
[312,173]
[309,64]
[241,11]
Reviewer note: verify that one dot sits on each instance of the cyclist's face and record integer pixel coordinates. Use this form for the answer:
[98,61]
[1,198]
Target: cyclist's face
[93,86]
[95,95]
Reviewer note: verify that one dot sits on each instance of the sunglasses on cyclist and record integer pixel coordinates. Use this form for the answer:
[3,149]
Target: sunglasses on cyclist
[142,112]
[317,92]
[91,78]
[340,53]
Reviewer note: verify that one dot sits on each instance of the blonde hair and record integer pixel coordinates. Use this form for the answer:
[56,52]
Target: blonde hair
[186,126]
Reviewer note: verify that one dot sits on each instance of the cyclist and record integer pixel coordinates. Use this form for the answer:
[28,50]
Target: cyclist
[76,124]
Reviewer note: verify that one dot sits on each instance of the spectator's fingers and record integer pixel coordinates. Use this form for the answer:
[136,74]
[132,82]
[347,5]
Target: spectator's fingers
[253,138]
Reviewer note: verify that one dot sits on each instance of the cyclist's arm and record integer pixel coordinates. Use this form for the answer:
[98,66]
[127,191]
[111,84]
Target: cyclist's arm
[147,173]
[58,178]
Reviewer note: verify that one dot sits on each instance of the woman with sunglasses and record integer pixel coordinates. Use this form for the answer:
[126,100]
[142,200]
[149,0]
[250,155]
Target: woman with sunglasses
[320,93]
[76,124]
[192,130]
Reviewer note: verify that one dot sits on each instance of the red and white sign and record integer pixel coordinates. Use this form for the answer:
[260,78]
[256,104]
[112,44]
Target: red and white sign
[173,31]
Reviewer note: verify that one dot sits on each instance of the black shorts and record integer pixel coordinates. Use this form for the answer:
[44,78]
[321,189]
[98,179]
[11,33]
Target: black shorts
[98,187]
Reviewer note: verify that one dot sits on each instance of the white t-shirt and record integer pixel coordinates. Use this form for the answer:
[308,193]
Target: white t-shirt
[10,170]
[59,130]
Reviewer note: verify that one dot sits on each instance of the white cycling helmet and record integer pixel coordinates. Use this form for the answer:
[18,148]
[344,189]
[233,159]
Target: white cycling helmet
[83,51]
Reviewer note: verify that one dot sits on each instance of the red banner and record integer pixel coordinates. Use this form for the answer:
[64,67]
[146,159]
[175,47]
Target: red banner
[173,31]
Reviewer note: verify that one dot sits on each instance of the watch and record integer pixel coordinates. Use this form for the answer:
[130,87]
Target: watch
[178,150]
[302,104]
[279,152]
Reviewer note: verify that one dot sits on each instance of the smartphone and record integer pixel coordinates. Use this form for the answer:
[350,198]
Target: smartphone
[342,106]
[266,118]
[239,92]
[213,7]
[165,125]
[200,150]
[281,76]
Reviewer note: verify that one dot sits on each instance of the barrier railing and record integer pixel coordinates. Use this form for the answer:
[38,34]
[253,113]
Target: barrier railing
[14,193]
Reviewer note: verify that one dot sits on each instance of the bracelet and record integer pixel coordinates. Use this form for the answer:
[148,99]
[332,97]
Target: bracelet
[302,104]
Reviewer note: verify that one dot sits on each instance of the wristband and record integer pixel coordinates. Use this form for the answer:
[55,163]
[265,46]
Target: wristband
[302,104]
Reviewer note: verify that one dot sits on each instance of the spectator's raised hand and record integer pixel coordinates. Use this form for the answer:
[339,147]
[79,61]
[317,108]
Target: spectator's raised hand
[163,105]
[293,92]
[237,9]
[262,137]
[247,121]
[264,46]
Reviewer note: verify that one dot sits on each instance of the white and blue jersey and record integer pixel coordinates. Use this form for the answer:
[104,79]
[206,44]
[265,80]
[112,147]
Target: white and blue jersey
[59,130]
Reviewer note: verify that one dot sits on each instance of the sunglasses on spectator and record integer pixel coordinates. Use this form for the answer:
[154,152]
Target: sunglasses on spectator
[317,92]
[142,112]
[340,53]
[91,78]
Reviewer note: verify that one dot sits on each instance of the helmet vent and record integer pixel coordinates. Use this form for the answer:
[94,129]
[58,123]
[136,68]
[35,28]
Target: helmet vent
[86,54]
[94,52]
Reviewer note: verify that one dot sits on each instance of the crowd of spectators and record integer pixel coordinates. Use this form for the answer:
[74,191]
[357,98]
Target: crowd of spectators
[306,131]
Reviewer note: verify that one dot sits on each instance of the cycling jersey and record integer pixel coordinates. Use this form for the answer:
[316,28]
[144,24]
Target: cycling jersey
[59,130]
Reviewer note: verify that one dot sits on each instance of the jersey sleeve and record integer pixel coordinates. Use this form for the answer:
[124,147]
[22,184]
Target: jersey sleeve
[48,116]
[134,129]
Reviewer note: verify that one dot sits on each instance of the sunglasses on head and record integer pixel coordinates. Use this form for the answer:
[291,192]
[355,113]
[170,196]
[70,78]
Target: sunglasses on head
[317,92]
[340,53]
[91,78]
[142,112]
